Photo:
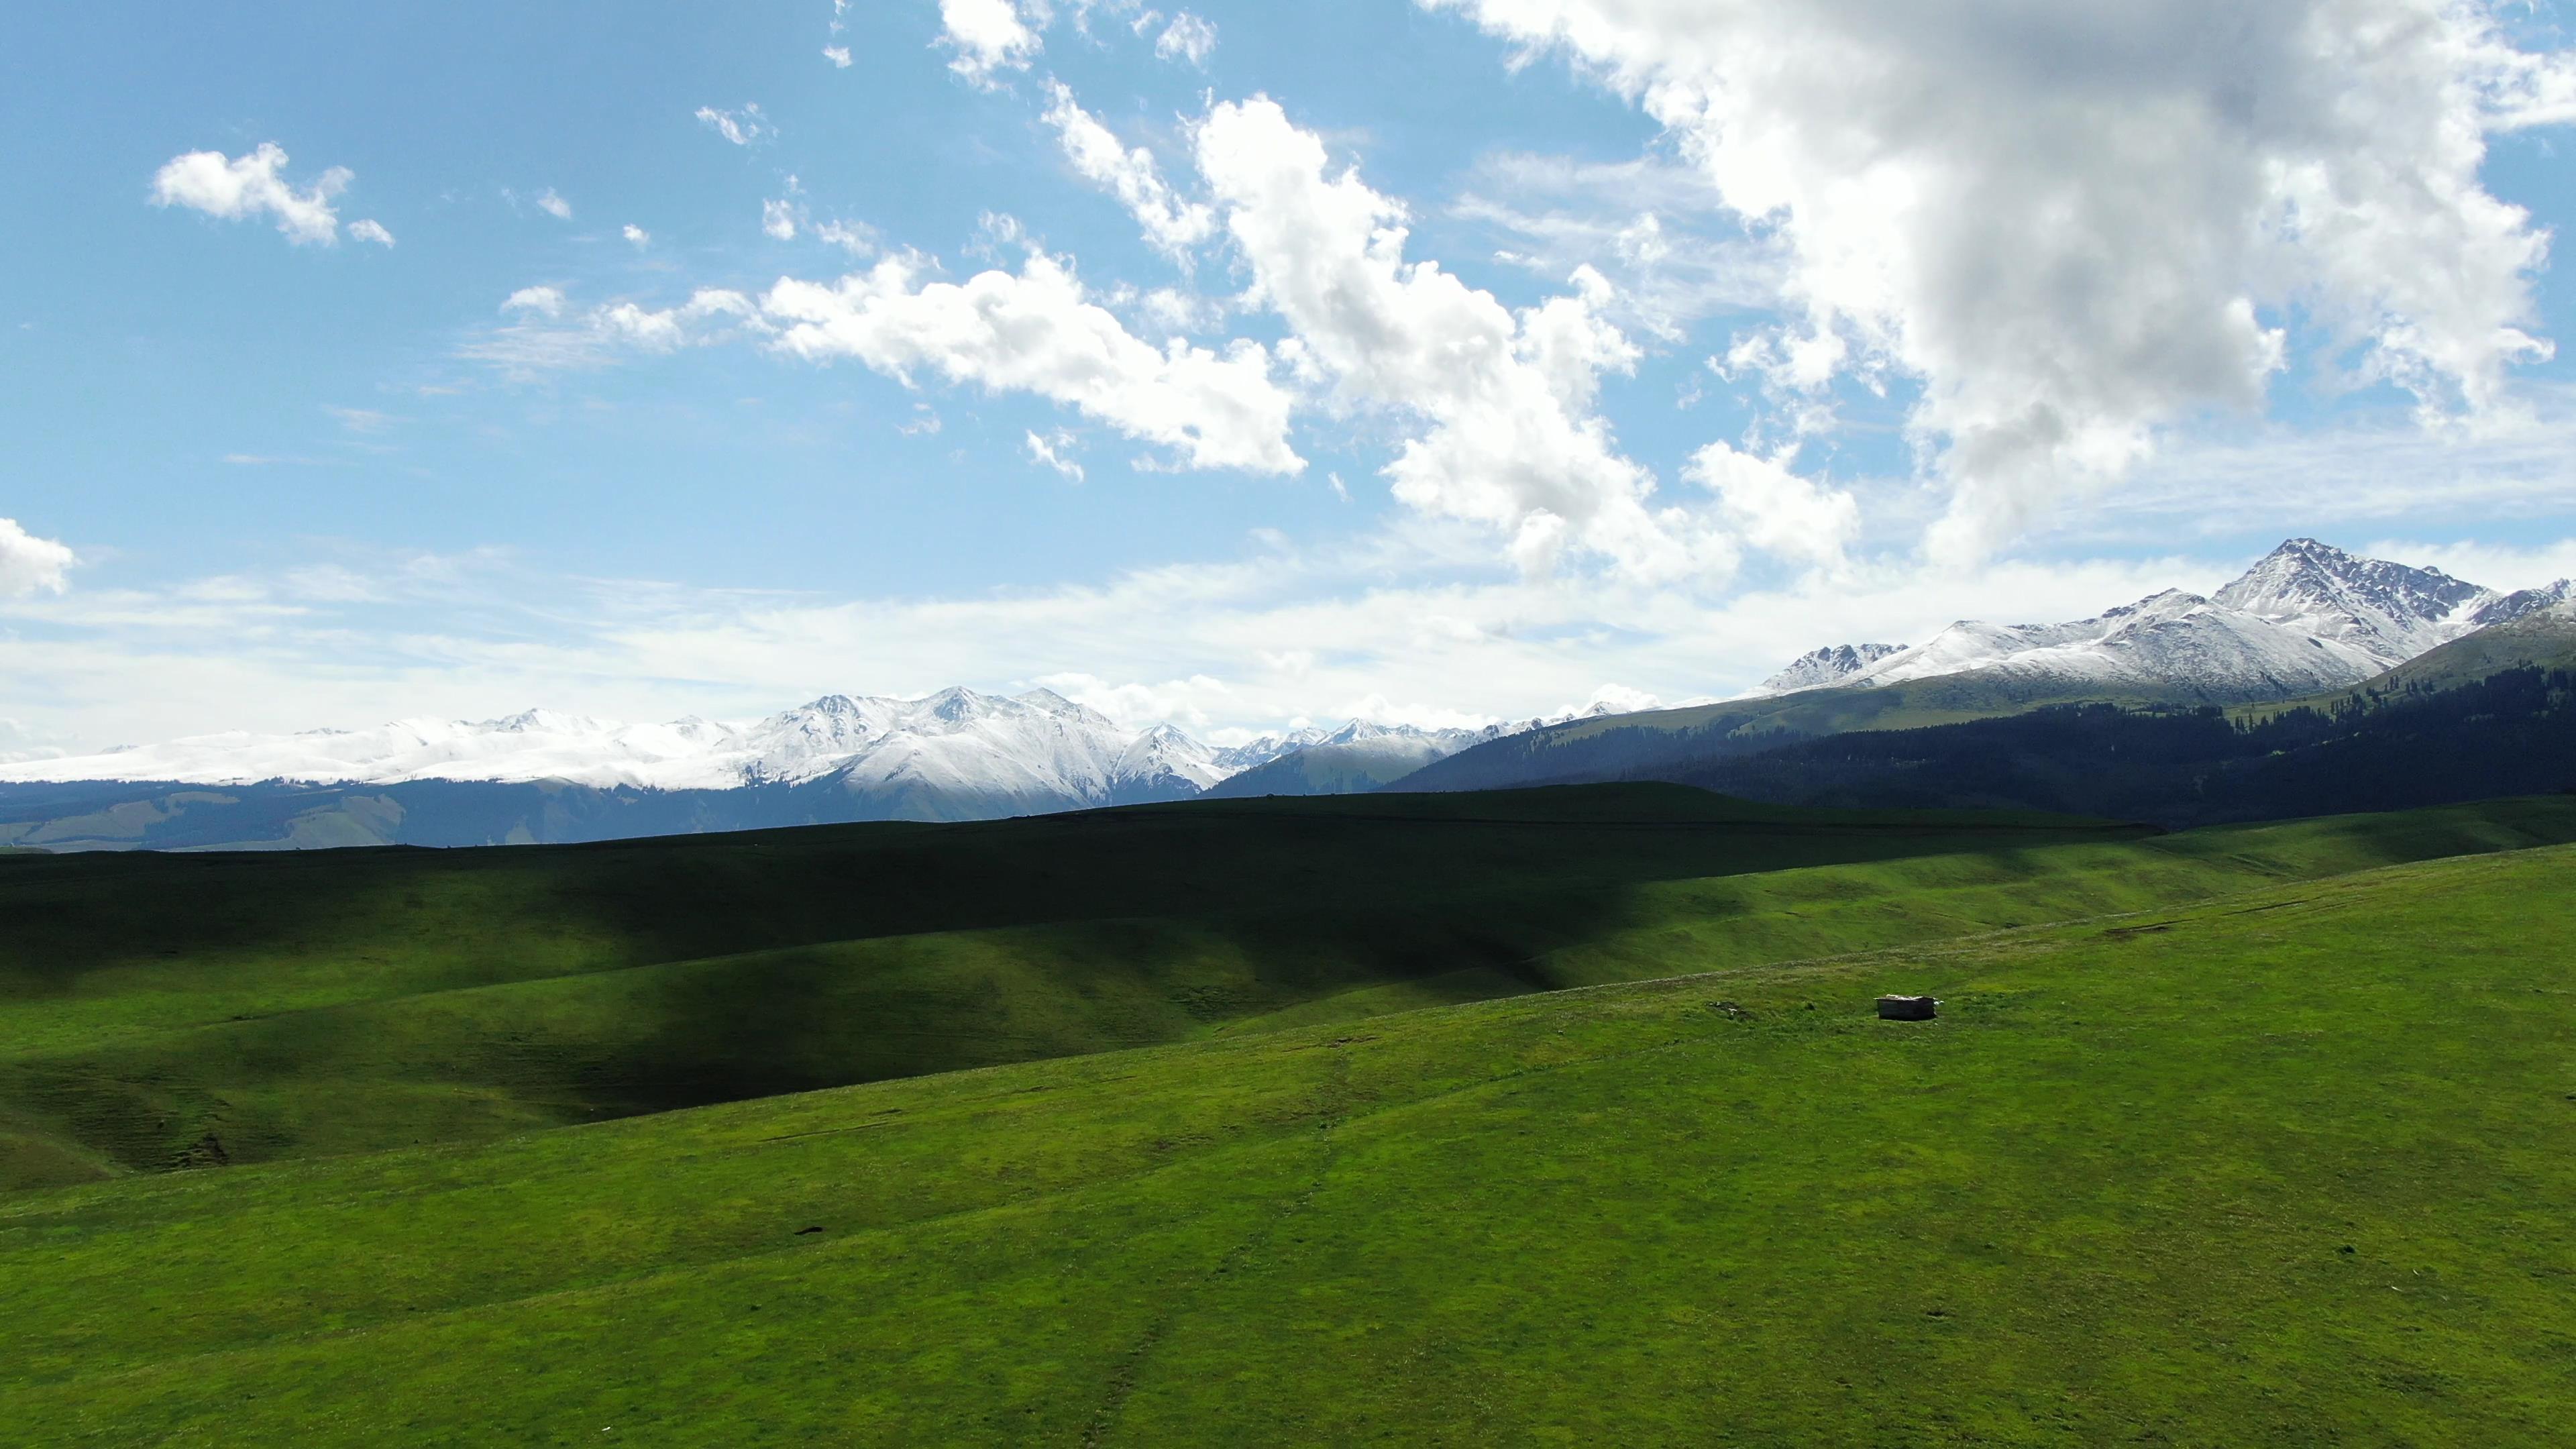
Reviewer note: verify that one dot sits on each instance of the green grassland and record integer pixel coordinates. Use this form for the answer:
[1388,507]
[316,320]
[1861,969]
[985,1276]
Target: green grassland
[2285,1167]
[172,1011]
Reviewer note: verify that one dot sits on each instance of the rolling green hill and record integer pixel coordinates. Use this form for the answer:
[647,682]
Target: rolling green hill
[2283,1168]
[171,1011]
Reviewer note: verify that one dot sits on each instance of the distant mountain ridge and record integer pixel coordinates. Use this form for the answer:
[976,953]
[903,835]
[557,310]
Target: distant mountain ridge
[2306,620]
[953,755]
[2306,617]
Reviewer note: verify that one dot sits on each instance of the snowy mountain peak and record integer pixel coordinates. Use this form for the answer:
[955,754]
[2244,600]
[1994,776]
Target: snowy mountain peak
[2524,603]
[2306,617]
[1827,666]
[1235,759]
[2390,611]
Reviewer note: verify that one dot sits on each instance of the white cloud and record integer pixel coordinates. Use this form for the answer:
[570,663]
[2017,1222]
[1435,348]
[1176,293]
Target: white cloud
[1138,706]
[1055,451]
[742,127]
[367,229]
[2505,567]
[2077,224]
[554,205]
[1655,228]
[1039,332]
[778,219]
[543,301]
[250,186]
[1776,510]
[638,235]
[1173,226]
[687,324]
[29,563]
[991,35]
[1510,438]
[856,238]
[1188,37]
[540,342]
[838,55]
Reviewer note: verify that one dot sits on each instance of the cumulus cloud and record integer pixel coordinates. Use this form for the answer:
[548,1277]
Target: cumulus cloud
[29,563]
[367,229]
[638,235]
[253,185]
[1039,331]
[1510,436]
[742,127]
[991,35]
[1188,37]
[554,205]
[2074,224]
[838,55]
[778,219]
[1171,225]
[1775,510]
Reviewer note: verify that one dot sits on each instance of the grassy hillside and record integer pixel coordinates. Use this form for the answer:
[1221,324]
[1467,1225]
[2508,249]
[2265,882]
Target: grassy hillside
[1350,769]
[2283,1168]
[2545,641]
[1655,743]
[159,1010]
[177,1011]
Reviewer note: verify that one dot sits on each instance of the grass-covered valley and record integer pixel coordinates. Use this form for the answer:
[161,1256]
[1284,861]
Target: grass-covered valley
[1553,1116]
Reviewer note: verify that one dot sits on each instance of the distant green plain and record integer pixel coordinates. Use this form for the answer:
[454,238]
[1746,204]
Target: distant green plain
[2232,1137]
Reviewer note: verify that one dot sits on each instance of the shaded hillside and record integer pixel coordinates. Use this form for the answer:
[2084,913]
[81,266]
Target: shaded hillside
[2513,733]
[160,1010]
[1350,769]
[290,1002]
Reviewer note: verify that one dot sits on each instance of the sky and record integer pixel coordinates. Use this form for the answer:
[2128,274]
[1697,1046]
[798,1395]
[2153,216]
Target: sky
[1238,366]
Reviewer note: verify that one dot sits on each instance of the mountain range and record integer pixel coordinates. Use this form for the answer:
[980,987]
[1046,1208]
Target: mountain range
[2307,617]
[2305,620]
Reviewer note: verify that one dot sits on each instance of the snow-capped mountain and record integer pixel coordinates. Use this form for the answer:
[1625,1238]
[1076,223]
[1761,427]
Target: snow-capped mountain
[1830,665]
[952,755]
[2308,617]
[2388,611]
[2524,603]
[1038,745]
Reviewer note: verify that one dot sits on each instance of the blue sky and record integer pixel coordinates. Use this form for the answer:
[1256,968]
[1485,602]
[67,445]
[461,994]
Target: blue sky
[334,480]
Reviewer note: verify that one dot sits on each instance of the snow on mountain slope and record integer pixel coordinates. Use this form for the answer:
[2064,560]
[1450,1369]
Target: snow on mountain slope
[956,754]
[1163,764]
[1235,759]
[2307,617]
[2171,640]
[2387,610]
[1830,665]
[2524,603]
